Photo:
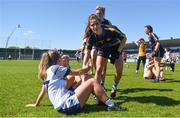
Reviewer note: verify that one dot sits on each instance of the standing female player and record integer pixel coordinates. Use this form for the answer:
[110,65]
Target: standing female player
[100,13]
[141,53]
[67,101]
[156,48]
[109,41]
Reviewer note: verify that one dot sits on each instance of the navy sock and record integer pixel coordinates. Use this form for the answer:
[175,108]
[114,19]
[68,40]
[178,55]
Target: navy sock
[102,82]
[115,85]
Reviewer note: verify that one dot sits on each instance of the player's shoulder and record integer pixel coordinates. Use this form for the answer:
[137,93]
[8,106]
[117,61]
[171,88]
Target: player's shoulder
[109,27]
[106,22]
[55,68]
[154,36]
[52,68]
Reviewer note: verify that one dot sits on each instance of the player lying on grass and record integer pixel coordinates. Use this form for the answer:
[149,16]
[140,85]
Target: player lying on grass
[149,69]
[67,101]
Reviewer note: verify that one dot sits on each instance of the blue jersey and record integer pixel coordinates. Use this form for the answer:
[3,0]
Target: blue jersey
[152,42]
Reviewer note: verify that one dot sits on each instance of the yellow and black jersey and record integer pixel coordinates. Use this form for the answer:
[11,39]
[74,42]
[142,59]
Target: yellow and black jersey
[142,49]
[106,22]
[110,36]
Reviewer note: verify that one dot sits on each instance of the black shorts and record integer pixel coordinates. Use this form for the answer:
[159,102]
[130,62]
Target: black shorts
[142,58]
[110,53]
[160,53]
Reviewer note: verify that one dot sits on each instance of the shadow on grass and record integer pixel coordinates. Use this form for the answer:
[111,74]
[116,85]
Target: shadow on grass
[108,74]
[46,105]
[170,80]
[88,108]
[93,108]
[158,100]
[133,90]
[167,74]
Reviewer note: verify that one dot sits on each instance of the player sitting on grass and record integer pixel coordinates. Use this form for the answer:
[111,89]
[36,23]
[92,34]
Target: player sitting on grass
[149,69]
[67,101]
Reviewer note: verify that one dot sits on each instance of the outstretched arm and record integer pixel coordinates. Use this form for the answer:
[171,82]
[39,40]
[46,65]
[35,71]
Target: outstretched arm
[81,71]
[39,98]
[86,57]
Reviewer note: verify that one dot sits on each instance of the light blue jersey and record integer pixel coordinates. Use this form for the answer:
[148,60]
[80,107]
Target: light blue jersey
[56,85]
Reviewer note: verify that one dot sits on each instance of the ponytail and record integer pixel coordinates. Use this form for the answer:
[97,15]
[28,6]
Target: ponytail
[47,59]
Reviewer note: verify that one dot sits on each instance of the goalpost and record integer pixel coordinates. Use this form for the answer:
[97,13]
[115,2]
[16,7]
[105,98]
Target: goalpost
[25,56]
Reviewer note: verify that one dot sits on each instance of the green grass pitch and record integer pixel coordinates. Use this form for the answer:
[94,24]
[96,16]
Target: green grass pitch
[19,86]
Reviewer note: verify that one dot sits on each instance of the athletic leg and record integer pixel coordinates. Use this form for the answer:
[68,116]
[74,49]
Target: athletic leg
[103,74]
[144,61]
[138,64]
[157,61]
[101,62]
[118,74]
[93,58]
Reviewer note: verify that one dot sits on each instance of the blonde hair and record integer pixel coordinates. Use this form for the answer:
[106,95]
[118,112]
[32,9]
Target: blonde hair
[47,59]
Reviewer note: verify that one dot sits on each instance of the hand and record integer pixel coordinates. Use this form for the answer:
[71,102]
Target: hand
[31,105]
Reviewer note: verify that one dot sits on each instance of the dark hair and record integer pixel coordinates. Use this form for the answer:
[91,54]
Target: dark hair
[149,27]
[141,39]
[88,31]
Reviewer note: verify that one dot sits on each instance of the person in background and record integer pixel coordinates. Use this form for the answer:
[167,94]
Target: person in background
[157,51]
[77,55]
[149,69]
[124,57]
[141,53]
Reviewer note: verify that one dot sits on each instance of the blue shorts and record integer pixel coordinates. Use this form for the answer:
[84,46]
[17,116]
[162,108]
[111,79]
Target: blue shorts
[71,105]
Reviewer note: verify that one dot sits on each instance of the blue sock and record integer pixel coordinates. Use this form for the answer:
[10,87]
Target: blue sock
[157,79]
[109,103]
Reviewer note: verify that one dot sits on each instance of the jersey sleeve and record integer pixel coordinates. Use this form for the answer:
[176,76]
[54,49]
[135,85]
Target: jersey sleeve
[106,22]
[90,42]
[116,33]
[62,72]
[119,33]
[155,37]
